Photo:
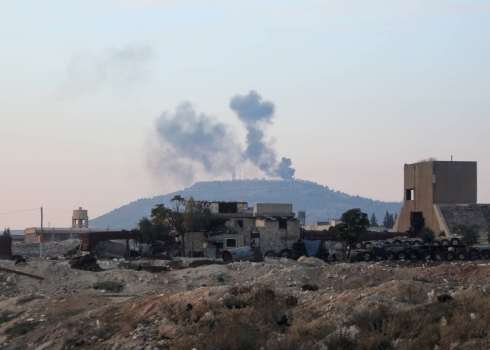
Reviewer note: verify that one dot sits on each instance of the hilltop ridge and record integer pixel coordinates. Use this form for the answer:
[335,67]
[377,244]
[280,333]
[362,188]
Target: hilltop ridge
[319,202]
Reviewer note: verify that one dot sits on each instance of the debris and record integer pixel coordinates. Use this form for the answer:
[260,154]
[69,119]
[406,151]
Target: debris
[443,298]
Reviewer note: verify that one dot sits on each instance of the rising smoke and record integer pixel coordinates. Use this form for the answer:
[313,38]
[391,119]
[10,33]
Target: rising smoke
[189,143]
[256,114]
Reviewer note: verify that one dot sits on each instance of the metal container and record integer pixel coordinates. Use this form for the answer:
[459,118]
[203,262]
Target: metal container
[238,254]
[5,247]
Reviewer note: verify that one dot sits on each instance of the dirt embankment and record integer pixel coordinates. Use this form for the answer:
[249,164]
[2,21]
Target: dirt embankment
[277,304]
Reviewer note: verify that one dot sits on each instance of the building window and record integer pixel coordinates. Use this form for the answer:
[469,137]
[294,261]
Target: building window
[239,223]
[409,194]
[283,223]
[230,243]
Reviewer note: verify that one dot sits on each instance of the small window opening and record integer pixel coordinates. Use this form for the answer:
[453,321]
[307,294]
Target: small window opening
[239,223]
[231,243]
[410,193]
[283,223]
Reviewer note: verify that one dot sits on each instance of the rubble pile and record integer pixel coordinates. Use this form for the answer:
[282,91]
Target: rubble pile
[185,307]
[49,249]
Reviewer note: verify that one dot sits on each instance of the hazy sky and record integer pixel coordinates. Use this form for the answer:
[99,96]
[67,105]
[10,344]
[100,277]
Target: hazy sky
[359,87]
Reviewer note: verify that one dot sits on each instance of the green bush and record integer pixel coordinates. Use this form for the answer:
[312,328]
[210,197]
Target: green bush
[426,234]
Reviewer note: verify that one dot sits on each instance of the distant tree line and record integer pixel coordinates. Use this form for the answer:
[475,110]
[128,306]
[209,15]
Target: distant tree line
[388,221]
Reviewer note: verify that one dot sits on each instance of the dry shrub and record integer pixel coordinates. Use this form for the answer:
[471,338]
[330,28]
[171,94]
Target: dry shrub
[27,298]
[237,328]
[420,327]
[21,328]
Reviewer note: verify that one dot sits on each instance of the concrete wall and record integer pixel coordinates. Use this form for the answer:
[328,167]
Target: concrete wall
[274,238]
[214,206]
[273,209]
[455,183]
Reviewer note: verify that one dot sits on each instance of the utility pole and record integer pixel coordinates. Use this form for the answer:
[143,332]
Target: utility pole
[42,235]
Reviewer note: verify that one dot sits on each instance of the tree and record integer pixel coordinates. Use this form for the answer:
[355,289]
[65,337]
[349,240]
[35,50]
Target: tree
[6,232]
[354,223]
[426,234]
[158,228]
[186,215]
[388,220]
[374,220]
[470,235]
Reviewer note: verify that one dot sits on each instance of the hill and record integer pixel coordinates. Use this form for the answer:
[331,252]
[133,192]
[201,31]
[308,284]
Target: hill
[319,202]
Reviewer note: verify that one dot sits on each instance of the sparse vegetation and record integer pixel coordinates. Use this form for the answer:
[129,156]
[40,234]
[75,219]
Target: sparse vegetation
[311,287]
[427,234]
[21,328]
[469,233]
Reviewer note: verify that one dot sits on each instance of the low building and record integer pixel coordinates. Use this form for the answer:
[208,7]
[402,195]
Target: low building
[51,234]
[272,226]
[323,225]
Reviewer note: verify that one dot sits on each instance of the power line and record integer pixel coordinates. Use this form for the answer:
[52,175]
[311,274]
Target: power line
[20,211]
[61,211]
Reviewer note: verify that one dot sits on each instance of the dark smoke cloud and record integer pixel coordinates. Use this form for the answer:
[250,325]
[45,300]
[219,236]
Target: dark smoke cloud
[250,108]
[256,114]
[189,143]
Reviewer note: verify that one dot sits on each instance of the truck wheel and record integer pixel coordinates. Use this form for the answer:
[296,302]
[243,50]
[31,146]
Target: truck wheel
[444,241]
[397,241]
[438,256]
[366,256]
[391,255]
[461,255]
[331,258]
[473,254]
[450,256]
[414,255]
[426,255]
[408,243]
[269,254]
[402,255]
[455,241]
[435,243]
[368,245]
[285,253]
[485,254]
[416,242]
[378,256]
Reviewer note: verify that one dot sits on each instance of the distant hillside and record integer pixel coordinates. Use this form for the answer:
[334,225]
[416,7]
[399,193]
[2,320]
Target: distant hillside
[319,202]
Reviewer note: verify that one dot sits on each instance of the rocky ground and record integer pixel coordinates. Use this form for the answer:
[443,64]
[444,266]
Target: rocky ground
[276,304]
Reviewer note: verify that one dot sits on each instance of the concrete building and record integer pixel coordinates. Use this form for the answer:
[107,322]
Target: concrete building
[323,225]
[79,218]
[50,234]
[274,222]
[431,185]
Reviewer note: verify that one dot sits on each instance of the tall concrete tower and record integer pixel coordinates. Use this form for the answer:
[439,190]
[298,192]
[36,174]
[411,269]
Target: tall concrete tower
[80,218]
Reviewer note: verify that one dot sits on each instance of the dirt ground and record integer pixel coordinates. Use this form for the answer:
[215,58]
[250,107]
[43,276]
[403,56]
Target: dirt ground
[194,308]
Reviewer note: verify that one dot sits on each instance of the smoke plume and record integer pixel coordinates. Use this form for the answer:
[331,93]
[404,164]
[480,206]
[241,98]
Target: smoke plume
[256,114]
[189,143]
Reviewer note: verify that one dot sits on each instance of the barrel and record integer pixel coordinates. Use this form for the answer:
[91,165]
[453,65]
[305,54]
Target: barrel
[298,250]
[5,247]
[238,254]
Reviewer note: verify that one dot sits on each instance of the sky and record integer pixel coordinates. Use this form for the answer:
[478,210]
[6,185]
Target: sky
[356,89]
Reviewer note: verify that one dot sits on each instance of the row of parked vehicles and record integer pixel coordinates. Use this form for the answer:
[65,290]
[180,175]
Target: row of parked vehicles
[440,250]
